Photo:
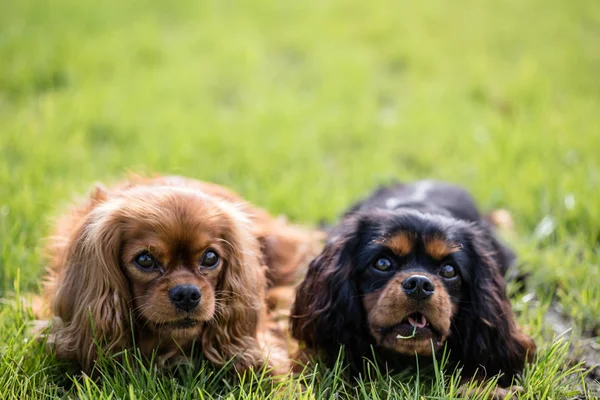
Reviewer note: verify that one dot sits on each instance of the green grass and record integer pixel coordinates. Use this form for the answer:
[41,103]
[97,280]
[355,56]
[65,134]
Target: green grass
[304,107]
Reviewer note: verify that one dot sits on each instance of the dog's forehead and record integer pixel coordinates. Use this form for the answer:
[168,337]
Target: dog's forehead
[403,243]
[173,217]
[171,236]
[406,232]
[384,222]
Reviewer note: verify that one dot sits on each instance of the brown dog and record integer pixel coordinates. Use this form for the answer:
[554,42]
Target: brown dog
[170,264]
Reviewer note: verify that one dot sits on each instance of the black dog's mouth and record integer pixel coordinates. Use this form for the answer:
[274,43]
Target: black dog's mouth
[183,323]
[413,326]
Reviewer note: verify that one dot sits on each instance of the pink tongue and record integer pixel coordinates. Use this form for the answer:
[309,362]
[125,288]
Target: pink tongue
[419,324]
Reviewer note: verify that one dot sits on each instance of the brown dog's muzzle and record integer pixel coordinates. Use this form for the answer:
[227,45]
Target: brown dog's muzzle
[411,314]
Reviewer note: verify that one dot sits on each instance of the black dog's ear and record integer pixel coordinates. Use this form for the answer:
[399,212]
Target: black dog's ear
[487,338]
[327,312]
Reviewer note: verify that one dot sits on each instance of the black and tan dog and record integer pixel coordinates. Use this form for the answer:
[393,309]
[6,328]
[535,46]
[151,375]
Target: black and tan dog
[409,270]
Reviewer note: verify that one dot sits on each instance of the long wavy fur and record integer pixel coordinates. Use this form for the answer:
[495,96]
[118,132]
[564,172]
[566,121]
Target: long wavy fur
[328,314]
[91,299]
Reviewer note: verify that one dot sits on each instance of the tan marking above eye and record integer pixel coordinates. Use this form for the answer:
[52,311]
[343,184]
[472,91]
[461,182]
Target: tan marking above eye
[439,248]
[401,243]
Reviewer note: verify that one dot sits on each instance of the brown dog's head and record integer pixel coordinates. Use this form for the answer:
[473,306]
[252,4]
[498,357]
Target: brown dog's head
[407,283]
[179,264]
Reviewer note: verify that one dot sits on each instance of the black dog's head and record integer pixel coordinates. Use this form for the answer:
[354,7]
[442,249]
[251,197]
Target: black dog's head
[407,283]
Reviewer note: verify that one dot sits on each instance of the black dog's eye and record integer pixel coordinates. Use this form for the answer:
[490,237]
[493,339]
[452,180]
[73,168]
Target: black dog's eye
[144,260]
[382,264]
[210,259]
[448,271]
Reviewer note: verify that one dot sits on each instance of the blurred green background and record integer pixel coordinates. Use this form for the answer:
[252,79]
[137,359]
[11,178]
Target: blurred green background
[303,107]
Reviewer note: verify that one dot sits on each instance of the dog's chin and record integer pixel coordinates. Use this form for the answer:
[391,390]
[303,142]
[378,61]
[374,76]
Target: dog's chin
[181,324]
[413,334]
[176,322]
[184,328]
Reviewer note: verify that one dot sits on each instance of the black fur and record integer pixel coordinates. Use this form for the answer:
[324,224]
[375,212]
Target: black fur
[328,312]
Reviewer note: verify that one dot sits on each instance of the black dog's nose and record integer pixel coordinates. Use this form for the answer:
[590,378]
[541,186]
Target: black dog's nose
[418,287]
[185,297]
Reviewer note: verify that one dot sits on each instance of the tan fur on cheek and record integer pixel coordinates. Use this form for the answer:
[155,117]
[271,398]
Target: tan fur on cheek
[370,302]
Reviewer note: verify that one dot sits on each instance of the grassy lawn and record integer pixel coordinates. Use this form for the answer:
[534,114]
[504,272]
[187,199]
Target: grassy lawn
[303,107]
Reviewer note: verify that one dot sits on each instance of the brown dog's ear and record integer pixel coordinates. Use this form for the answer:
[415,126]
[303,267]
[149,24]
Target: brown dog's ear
[287,250]
[240,304]
[91,292]
[487,338]
[328,313]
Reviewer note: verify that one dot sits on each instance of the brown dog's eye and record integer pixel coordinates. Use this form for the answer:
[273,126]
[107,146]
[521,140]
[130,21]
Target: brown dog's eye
[144,260]
[382,264]
[210,259]
[448,271]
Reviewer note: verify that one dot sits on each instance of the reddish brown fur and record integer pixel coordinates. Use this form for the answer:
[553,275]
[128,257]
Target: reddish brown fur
[92,279]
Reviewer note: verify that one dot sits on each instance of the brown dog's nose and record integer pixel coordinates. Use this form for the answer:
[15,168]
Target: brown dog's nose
[185,297]
[418,287]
